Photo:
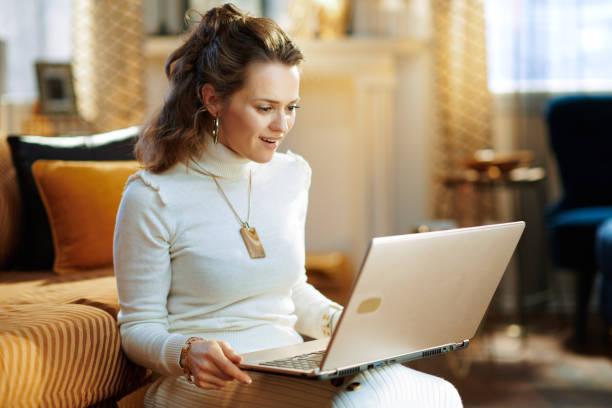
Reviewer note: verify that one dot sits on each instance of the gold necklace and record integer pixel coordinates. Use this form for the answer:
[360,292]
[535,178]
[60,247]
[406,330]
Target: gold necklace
[248,233]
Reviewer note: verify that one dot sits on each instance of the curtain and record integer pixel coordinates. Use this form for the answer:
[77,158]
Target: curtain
[108,62]
[463,104]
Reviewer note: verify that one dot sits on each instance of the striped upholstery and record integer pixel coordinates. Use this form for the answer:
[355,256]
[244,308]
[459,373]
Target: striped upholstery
[59,341]
[94,288]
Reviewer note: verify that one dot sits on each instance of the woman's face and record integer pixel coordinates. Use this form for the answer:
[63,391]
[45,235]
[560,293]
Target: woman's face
[258,117]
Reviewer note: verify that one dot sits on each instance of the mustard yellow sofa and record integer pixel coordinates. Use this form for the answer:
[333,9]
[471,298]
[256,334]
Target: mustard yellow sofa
[59,341]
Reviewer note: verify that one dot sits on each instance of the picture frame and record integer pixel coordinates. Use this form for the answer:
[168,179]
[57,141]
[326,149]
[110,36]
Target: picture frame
[55,88]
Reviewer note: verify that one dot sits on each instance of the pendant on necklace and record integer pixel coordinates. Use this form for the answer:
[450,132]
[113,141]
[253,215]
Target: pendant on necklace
[252,242]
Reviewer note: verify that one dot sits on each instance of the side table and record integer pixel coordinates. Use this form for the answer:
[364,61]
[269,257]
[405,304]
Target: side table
[516,181]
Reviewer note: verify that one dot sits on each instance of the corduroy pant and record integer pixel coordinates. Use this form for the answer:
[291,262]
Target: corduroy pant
[390,386]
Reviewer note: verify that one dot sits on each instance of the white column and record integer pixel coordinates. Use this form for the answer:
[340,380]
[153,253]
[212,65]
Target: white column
[375,100]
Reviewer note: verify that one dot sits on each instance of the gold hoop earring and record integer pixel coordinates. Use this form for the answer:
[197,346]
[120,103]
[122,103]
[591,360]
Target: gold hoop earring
[215,131]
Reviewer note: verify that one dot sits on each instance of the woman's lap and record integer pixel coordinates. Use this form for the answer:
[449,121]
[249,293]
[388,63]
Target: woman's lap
[391,386]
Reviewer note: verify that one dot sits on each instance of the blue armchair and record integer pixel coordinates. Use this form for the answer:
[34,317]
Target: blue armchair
[604,263]
[580,135]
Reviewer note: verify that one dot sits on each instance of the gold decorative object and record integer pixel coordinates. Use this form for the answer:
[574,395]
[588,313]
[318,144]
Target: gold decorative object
[485,159]
[327,19]
[334,16]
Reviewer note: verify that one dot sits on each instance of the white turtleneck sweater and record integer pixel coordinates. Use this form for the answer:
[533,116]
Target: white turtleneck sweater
[183,270]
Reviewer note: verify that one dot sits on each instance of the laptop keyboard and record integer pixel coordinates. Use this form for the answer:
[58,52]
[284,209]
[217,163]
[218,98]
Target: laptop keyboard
[308,361]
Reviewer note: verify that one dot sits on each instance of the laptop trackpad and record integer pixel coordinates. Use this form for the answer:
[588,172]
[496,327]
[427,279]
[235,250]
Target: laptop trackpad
[284,352]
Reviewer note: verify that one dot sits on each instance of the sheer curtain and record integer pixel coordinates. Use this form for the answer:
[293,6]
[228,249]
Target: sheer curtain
[549,45]
[463,104]
[109,62]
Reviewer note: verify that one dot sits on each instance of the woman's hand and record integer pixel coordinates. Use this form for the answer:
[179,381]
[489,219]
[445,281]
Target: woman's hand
[212,364]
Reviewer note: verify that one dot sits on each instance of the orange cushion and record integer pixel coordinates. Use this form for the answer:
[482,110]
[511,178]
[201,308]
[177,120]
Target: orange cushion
[81,199]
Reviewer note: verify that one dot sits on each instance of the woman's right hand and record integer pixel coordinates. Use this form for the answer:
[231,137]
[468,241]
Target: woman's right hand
[213,364]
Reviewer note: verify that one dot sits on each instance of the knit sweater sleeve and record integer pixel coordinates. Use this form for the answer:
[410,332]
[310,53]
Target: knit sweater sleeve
[316,314]
[142,268]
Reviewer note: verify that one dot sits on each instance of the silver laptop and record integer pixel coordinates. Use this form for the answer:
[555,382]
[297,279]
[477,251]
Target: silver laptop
[415,296]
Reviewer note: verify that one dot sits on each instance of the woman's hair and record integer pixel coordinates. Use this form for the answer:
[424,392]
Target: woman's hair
[217,52]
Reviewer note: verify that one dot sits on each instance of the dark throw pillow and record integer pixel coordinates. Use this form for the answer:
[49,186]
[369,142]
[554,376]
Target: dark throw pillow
[36,244]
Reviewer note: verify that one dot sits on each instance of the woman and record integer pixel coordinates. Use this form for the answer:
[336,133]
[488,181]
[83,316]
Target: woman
[209,240]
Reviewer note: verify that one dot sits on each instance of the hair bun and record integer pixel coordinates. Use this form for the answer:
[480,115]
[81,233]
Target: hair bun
[218,18]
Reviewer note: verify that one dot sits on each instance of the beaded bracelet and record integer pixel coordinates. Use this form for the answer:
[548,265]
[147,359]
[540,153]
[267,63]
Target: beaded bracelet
[183,359]
[326,324]
[328,321]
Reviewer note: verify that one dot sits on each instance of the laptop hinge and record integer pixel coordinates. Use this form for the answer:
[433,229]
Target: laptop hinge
[318,371]
[462,345]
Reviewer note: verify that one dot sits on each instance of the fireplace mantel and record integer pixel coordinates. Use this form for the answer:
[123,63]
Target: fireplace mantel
[359,56]
[161,46]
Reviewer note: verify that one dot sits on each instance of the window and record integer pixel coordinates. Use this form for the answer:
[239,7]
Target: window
[549,45]
[33,30]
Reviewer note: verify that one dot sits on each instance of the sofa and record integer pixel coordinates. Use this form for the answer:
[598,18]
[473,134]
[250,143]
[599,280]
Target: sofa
[59,341]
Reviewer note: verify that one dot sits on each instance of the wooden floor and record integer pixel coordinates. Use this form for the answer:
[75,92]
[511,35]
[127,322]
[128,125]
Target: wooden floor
[537,367]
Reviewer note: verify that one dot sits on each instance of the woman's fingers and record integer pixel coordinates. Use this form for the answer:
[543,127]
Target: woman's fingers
[210,367]
[209,381]
[213,359]
[230,353]
[228,367]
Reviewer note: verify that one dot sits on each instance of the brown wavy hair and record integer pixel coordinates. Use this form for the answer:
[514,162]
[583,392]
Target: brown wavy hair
[217,52]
